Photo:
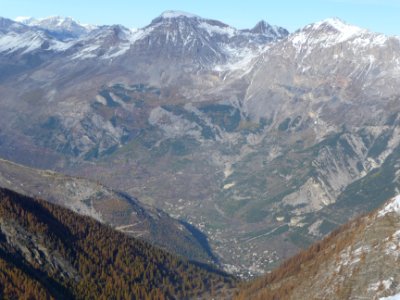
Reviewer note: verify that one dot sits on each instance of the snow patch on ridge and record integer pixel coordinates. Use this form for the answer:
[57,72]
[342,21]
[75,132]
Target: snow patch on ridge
[239,59]
[392,206]
[213,29]
[394,297]
[126,36]
[28,42]
[138,34]
[12,42]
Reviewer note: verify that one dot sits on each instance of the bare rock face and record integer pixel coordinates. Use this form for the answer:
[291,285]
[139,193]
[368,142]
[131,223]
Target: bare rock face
[263,140]
[34,250]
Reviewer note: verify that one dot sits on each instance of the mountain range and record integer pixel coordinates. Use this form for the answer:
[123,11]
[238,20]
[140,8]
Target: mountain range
[263,140]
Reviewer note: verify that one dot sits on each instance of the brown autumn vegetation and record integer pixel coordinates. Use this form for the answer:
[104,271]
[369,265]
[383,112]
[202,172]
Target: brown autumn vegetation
[281,282]
[15,284]
[107,264]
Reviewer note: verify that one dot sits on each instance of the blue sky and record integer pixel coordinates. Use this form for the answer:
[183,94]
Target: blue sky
[376,15]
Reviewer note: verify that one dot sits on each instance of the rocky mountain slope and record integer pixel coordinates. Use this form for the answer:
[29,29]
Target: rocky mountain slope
[124,213]
[49,252]
[262,140]
[360,260]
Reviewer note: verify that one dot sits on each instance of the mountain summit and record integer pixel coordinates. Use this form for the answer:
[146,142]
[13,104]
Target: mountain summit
[264,28]
[171,14]
[333,31]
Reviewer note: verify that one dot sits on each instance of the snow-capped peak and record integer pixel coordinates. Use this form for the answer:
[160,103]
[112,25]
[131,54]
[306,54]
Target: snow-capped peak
[23,19]
[57,20]
[264,28]
[339,26]
[331,32]
[171,14]
[64,28]
[52,20]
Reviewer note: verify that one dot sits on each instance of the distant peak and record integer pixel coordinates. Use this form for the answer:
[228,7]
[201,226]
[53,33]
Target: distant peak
[54,20]
[338,25]
[58,20]
[329,32]
[334,21]
[57,23]
[265,28]
[23,19]
[260,27]
[171,14]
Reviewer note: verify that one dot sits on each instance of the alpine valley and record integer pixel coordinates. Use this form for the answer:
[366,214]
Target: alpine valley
[255,143]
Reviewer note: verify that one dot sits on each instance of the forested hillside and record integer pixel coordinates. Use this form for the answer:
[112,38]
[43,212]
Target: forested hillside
[359,260]
[48,252]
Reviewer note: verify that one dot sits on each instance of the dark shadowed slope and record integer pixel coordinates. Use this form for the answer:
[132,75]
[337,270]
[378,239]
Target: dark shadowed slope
[50,252]
[109,206]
